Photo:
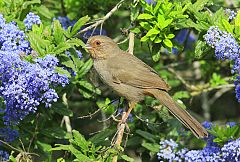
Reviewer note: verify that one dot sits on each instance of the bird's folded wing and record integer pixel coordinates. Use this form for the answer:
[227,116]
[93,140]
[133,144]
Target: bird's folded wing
[128,69]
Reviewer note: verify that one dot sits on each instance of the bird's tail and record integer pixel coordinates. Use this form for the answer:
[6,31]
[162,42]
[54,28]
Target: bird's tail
[182,115]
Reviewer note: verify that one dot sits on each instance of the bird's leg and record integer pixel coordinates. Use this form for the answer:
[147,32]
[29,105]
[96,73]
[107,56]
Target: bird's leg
[122,125]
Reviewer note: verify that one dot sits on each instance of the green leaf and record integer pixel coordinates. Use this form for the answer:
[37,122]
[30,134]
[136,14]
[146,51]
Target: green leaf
[60,70]
[145,16]
[198,5]
[76,60]
[201,47]
[28,3]
[62,109]
[144,39]
[76,42]
[55,132]
[102,136]
[152,32]
[77,26]
[79,140]
[58,32]
[65,60]
[44,146]
[85,68]
[170,36]
[38,44]
[217,80]
[134,13]
[168,43]
[74,151]
[87,85]
[161,19]
[44,11]
[158,40]
[145,25]
[151,147]
[227,26]
[237,19]
[85,93]
[148,136]
[62,47]
[127,158]
[135,30]
[181,94]
[156,57]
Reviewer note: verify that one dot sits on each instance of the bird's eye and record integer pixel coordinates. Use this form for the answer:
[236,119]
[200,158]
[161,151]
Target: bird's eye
[98,43]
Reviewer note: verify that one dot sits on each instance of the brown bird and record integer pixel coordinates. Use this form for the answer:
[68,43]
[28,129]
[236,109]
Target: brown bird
[133,79]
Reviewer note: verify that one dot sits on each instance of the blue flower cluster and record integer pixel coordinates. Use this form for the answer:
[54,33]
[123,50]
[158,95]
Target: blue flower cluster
[31,19]
[232,14]
[4,156]
[8,135]
[65,22]
[24,86]
[170,151]
[11,38]
[226,47]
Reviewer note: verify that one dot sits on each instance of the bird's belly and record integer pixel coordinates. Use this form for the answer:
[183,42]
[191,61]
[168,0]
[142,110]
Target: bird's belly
[129,92]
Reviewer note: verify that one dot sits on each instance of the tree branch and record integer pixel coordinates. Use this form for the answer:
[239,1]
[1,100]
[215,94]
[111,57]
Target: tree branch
[101,21]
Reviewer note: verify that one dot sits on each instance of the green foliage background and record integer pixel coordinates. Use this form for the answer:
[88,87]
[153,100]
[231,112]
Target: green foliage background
[90,104]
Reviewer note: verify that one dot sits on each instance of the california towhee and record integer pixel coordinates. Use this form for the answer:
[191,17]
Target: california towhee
[133,79]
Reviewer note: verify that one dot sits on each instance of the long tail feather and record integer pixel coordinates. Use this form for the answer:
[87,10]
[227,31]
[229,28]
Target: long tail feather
[182,115]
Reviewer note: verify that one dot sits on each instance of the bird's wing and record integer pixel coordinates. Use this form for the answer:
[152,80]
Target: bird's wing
[128,69]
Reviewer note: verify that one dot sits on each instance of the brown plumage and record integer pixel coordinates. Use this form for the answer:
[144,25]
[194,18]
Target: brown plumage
[133,79]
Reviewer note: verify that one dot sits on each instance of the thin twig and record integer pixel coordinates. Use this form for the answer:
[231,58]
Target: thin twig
[188,86]
[198,89]
[107,16]
[123,41]
[146,121]
[208,89]
[98,110]
[35,132]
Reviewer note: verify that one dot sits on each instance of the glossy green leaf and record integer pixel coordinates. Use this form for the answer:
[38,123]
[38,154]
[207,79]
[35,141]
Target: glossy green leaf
[85,68]
[152,32]
[145,16]
[77,26]
[168,43]
[56,132]
[127,158]
[58,32]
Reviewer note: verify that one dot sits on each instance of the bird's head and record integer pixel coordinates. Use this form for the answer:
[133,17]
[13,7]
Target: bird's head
[101,47]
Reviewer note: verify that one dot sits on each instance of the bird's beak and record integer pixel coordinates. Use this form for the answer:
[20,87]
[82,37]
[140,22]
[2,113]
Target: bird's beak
[88,47]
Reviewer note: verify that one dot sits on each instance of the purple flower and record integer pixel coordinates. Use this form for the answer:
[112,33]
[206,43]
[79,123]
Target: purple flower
[150,1]
[4,156]
[236,66]
[202,156]
[11,38]
[232,14]
[8,135]
[65,21]
[169,151]
[25,86]
[237,88]
[31,19]
[231,124]
[231,151]
[226,47]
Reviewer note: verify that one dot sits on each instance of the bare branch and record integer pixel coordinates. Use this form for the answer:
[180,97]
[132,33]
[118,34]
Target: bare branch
[101,21]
